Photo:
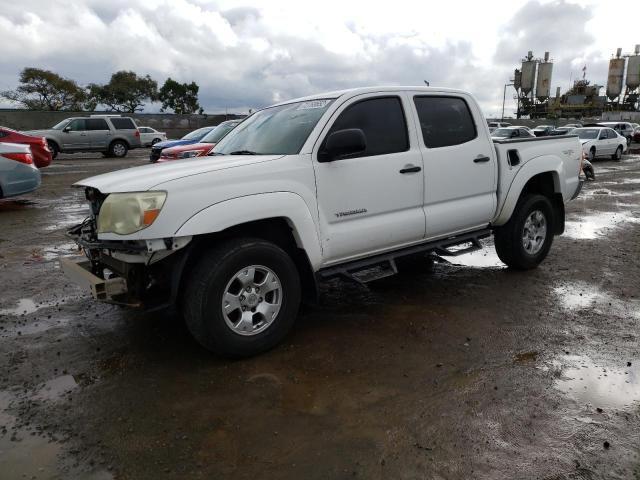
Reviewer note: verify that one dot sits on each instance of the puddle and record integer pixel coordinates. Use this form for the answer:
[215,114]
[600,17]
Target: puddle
[582,295]
[12,205]
[55,388]
[27,306]
[602,386]
[486,257]
[597,225]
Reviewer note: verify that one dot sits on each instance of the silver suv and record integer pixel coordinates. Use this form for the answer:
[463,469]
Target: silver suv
[112,135]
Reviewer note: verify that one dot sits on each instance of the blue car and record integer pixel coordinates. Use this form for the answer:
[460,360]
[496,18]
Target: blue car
[188,139]
[18,174]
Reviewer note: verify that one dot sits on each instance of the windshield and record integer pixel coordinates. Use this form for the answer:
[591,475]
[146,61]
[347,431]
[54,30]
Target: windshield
[215,135]
[501,132]
[587,133]
[61,125]
[280,130]
[197,134]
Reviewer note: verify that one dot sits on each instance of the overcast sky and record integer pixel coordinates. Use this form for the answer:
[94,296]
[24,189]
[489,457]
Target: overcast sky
[248,54]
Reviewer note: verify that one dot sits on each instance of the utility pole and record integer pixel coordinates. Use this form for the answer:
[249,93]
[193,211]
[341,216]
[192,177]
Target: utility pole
[504,98]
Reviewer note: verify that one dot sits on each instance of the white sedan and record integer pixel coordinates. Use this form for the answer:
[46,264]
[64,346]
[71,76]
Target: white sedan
[601,142]
[150,136]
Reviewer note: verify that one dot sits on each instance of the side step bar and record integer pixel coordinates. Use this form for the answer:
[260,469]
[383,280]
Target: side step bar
[384,265]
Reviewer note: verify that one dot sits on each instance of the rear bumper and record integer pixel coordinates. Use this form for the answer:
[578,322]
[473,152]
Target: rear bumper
[19,180]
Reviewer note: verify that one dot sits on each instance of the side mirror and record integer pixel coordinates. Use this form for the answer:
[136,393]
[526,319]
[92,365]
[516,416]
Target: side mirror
[514,134]
[343,143]
[66,129]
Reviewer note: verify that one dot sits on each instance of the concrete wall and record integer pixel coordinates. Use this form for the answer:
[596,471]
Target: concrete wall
[623,116]
[175,125]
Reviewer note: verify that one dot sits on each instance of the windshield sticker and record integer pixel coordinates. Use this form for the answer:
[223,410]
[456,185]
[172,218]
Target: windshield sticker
[313,104]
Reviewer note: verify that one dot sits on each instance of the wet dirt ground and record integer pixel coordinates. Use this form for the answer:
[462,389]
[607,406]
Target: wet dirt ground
[456,370]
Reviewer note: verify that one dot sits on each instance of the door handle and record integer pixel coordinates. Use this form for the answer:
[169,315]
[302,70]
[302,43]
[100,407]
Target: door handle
[410,169]
[481,159]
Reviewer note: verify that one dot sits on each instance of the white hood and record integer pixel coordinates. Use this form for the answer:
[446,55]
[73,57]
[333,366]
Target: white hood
[140,179]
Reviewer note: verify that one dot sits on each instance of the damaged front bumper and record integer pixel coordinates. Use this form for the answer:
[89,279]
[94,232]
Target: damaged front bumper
[136,273]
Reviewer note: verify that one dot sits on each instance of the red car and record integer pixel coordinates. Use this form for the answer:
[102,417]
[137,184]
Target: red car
[39,148]
[201,148]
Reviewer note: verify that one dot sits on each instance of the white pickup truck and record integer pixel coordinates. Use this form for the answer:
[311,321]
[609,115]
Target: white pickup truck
[341,183]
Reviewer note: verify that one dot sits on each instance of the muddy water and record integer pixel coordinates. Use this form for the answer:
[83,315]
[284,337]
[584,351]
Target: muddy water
[454,369]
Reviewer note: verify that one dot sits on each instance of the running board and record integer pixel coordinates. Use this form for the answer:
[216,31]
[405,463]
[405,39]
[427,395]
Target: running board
[384,265]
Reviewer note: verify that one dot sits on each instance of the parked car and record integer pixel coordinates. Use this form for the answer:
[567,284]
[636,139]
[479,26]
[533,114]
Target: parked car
[18,173]
[543,130]
[636,135]
[310,189]
[151,136]
[573,125]
[202,148]
[112,135]
[512,132]
[39,148]
[189,139]
[494,125]
[623,128]
[562,131]
[601,142]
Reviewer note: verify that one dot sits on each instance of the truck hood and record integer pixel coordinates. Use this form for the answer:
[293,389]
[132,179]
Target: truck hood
[140,179]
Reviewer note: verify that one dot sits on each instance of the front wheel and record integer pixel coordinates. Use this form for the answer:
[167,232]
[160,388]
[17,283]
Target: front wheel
[53,147]
[242,298]
[592,154]
[618,154]
[524,241]
[154,141]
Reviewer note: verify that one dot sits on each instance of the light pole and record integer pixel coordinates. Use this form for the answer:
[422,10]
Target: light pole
[504,97]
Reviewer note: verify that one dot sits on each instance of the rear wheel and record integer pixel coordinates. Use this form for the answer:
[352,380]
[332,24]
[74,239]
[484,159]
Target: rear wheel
[118,149]
[524,241]
[242,298]
[618,154]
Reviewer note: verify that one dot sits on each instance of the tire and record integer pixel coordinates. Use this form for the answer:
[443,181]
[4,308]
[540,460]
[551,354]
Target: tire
[53,146]
[118,149]
[618,154]
[592,154]
[217,273]
[154,141]
[509,239]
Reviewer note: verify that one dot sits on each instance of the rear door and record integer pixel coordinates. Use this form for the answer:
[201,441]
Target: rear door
[99,133]
[75,136]
[460,167]
[372,200]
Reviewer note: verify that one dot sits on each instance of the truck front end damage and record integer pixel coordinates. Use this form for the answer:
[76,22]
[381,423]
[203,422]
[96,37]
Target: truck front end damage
[137,273]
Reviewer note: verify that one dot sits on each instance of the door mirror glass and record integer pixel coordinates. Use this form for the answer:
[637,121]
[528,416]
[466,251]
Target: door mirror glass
[342,143]
[66,129]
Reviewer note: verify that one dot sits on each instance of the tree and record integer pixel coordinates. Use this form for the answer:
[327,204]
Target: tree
[125,92]
[180,97]
[46,90]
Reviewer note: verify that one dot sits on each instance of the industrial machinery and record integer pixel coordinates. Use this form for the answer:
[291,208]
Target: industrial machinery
[532,83]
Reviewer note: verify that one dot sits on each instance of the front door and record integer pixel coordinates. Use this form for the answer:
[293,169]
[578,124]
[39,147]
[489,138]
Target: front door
[371,201]
[99,133]
[75,136]
[460,167]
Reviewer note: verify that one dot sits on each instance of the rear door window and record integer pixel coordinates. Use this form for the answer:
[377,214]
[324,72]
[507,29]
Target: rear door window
[382,121]
[612,134]
[123,124]
[97,124]
[445,121]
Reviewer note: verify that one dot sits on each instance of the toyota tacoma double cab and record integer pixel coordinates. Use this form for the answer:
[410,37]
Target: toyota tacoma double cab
[337,184]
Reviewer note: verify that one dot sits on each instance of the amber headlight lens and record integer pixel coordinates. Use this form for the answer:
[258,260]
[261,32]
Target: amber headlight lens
[126,213]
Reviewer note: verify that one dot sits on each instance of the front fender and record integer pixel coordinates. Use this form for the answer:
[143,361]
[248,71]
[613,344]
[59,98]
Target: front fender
[239,210]
[535,166]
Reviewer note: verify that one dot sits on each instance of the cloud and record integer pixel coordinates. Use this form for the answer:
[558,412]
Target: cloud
[250,56]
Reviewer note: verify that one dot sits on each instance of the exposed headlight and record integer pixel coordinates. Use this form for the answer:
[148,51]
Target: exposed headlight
[126,213]
[190,153]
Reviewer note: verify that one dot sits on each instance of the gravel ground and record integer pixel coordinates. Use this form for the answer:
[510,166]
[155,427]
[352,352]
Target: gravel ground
[456,369]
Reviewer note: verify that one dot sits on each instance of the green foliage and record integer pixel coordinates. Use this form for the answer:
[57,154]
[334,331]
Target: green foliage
[45,90]
[179,97]
[125,92]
